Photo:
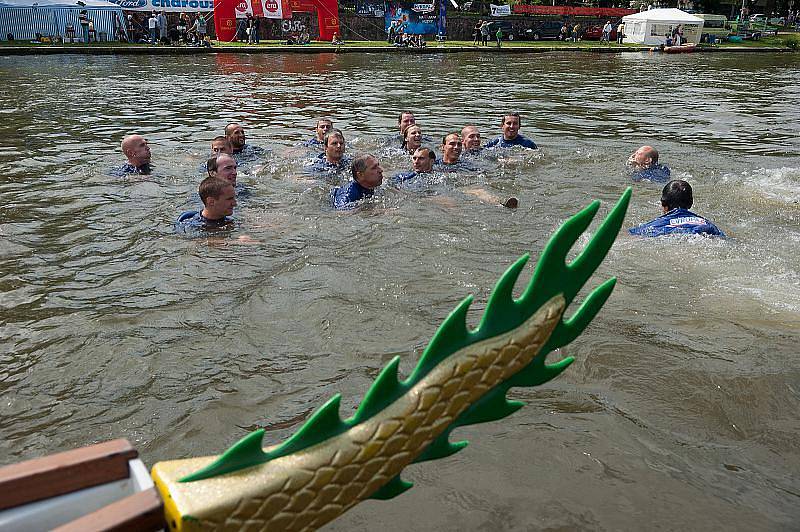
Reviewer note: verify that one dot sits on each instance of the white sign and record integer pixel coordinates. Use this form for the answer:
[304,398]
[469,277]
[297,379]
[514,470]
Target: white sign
[173,6]
[500,11]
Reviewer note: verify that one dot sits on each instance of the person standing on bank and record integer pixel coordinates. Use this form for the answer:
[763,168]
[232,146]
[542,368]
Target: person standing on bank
[162,27]
[152,25]
[83,20]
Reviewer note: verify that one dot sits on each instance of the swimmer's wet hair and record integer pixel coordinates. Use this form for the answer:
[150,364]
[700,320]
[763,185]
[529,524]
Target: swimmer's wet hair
[431,153]
[677,194]
[400,116]
[359,164]
[228,127]
[219,138]
[456,133]
[332,132]
[212,165]
[212,187]
[322,120]
[512,113]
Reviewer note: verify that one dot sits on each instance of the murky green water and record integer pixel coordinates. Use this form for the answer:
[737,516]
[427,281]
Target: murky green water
[681,411]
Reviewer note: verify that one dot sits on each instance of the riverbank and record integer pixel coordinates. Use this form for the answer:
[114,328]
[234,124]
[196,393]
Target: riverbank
[766,45]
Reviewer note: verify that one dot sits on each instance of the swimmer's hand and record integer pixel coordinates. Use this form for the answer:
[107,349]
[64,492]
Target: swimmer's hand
[245,239]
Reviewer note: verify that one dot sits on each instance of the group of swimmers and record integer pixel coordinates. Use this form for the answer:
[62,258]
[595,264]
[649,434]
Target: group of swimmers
[219,190]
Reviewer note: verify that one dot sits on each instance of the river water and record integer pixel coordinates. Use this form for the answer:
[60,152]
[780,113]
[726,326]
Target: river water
[681,410]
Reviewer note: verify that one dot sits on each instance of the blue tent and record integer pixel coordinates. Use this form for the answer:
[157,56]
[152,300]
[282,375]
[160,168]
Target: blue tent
[23,19]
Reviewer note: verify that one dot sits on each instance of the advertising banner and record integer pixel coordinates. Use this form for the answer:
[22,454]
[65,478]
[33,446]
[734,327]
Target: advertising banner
[277,9]
[415,18]
[370,8]
[599,12]
[500,11]
[187,6]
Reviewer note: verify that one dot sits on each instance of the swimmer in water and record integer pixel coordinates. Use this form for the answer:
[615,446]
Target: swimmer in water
[320,130]
[137,153]
[412,139]
[451,152]
[241,150]
[332,160]
[221,144]
[367,175]
[644,162]
[222,166]
[219,199]
[471,140]
[404,120]
[676,200]
[422,161]
[511,137]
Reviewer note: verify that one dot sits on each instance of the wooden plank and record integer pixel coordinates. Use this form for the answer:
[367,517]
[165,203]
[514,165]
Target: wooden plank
[57,474]
[140,512]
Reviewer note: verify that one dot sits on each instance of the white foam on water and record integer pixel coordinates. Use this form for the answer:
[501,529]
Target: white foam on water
[776,184]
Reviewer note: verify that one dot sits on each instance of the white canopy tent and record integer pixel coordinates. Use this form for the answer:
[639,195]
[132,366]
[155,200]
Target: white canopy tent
[652,26]
[23,19]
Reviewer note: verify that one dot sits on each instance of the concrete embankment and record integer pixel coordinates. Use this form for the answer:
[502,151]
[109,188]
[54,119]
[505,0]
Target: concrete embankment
[348,48]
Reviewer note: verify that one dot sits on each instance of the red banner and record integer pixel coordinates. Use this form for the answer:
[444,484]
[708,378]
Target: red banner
[327,15]
[598,12]
[225,19]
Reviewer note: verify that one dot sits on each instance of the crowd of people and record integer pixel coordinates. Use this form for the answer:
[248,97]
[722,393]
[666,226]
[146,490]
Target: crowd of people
[354,179]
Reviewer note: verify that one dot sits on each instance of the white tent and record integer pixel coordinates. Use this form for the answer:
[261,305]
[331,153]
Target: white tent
[23,19]
[652,26]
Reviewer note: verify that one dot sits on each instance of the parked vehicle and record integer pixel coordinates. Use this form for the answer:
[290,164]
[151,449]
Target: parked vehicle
[507,26]
[547,29]
[716,25]
[595,33]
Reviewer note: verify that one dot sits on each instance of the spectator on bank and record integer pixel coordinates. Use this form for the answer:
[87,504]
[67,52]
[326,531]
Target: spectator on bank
[563,35]
[152,26]
[577,32]
[83,20]
[606,32]
[390,31]
[336,40]
[485,32]
[162,27]
[620,32]
[499,36]
[476,32]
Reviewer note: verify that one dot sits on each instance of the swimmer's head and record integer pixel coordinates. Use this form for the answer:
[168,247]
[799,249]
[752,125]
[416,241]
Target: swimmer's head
[677,194]
[422,160]
[451,148]
[367,171]
[471,138]
[405,119]
[323,126]
[218,196]
[222,166]
[510,125]
[235,134]
[412,138]
[334,145]
[136,150]
[221,144]
[644,158]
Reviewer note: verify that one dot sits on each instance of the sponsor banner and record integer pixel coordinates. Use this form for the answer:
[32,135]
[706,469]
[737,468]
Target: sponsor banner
[370,8]
[415,18]
[598,12]
[279,9]
[500,11]
[187,6]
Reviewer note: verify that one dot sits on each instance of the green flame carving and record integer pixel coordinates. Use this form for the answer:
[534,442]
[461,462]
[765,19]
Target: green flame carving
[503,313]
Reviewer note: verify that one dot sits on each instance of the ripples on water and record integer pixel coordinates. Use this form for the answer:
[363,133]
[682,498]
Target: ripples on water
[681,407]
